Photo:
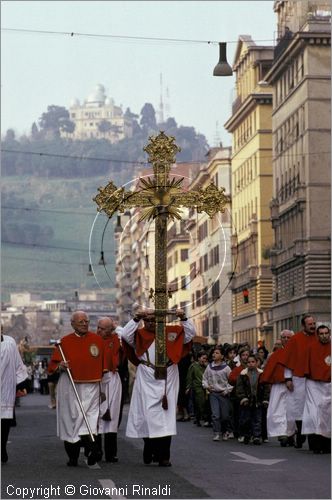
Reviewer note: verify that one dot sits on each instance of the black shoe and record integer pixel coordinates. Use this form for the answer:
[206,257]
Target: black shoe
[114,460]
[246,440]
[283,442]
[165,463]
[94,457]
[290,441]
[299,441]
[72,462]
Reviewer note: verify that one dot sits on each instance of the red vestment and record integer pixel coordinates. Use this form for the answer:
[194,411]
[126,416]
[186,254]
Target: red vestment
[175,348]
[85,355]
[232,378]
[273,372]
[319,362]
[111,352]
[295,353]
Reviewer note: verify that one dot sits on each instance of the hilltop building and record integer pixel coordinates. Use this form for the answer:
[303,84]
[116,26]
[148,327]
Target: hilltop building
[99,118]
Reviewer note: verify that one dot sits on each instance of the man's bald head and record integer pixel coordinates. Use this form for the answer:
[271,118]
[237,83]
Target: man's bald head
[105,327]
[80,322]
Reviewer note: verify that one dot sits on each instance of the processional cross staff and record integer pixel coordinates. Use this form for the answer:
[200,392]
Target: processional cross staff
[160,197]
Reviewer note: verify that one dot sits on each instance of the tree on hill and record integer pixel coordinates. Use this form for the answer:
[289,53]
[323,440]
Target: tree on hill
[104,126]
[55,119]
[148,120]
[34,132]
[57,156]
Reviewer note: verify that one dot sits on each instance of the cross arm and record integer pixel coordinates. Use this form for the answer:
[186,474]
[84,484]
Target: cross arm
[112,199]
[210,200]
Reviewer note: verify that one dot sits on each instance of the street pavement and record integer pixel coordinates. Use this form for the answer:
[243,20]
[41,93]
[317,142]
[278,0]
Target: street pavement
[201,468]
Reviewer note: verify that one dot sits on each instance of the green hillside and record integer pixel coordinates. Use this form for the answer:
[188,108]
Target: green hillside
[59,264]
[47,212]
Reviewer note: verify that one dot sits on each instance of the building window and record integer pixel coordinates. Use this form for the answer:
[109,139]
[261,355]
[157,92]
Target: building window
[202,231]
[215,326]
[193,271]
[205,262]
[198,298]
[205,294]
[205,327]
[184,254]
[215,290]
[173,287]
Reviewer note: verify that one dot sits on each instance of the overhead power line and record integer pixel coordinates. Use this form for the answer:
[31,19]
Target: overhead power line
[55,155]
[65,212]
[72,34]
[35,245]
[37,259]
[145,163]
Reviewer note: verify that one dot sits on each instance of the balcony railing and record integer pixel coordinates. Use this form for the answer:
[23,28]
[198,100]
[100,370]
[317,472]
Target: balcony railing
[283,43]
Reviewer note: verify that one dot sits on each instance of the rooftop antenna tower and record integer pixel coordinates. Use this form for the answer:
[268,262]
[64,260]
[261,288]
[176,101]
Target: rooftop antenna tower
[167,104]
[217,137]
[161,103]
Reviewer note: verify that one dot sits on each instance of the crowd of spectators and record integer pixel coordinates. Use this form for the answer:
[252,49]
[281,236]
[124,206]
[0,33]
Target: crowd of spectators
[228,388]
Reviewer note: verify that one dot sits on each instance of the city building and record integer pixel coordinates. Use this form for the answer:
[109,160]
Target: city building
[301,123]
[99,118]
[252,236]
[210,263]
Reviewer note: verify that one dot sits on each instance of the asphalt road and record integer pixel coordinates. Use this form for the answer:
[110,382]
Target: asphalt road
[201,468]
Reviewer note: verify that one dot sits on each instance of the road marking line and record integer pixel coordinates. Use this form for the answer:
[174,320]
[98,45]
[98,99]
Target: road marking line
[109,485]
[250,459]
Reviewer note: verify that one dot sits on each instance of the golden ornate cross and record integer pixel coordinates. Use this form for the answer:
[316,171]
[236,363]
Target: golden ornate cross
[160,197]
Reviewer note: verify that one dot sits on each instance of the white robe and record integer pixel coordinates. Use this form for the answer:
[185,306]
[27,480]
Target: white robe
[13,372]
[279,422]
[297,399]
[70,421]
[112,388]
[146,416]
[316,417]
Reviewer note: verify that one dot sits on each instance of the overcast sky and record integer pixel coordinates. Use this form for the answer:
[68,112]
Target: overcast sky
[43,69]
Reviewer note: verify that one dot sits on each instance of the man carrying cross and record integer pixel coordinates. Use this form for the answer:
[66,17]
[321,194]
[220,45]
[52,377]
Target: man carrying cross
[158,347]
[152,412]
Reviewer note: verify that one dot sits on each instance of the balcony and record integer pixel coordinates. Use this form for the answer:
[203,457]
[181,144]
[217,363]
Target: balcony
[245,278]
[283,43]
[279,257]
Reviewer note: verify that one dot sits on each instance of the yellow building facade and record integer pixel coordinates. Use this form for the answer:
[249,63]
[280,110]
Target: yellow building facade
[252,235]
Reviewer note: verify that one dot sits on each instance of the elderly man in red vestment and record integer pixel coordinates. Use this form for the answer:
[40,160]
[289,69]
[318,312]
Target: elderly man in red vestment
[294,358]
[111,387]
[84,353]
